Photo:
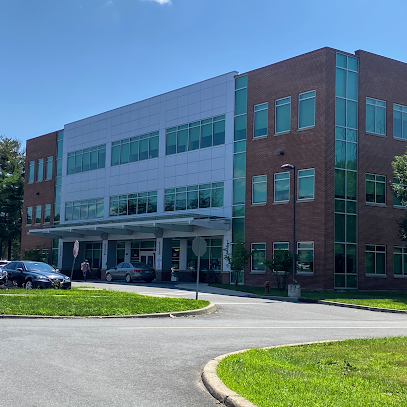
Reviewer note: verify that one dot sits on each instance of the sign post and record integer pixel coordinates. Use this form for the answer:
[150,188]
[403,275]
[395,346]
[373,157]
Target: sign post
[75,254]
[199,247]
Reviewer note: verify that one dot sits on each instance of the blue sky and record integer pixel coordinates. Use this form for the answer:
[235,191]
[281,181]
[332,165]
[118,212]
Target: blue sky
[64,60]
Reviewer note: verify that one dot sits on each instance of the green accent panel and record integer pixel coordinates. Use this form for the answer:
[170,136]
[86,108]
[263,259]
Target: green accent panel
[351,228]
[341,60]
[398,263]
[238,211]
[339,227]
[259,192]
[260,123]
[397,126]
[240,146]
[351,185]
[340,133]
[239,189]
[340,112]
[351,114]
[350,207]
[219,133]
[182,140]
[154,144]
[340,85]
[351,258]
[241,101]
[380,263]
[380,193]
[307,113]
[240,127]
[171,143]
[340,184]
[239,165]
[217,197]
[194,134]
[370,118]
[340,280]
[351,135]
[124,153]
[283,118]
[351,154]
[351,281]
[237,230]
[352,63]
[369,263]
[340,147]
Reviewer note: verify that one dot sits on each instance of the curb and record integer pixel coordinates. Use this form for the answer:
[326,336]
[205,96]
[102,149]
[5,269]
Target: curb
[364,307]
[220,391]
[209,309]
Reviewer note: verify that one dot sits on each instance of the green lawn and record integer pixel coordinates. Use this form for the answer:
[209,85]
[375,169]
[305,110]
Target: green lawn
[352,373]
[89,302]
[381,299]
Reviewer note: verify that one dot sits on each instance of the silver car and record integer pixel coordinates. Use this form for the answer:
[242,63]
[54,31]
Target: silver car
[129,272]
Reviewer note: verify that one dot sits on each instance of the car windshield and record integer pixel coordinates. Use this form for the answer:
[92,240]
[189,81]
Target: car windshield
[142,266]
[33,266]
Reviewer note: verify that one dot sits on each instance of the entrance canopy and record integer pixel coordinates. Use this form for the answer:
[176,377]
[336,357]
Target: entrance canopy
[154,224]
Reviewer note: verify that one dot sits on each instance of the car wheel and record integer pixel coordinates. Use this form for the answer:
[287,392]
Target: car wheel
[128,278]
[29,285]
[109,277]
[15,283]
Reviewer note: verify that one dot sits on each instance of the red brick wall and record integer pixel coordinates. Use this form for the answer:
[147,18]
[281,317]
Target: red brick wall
[38,193]
[385,79]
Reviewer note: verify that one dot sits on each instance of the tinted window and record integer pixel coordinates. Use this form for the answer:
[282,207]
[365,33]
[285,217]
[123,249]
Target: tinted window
[11,266]
[119,266]
[141,266]
[31,266]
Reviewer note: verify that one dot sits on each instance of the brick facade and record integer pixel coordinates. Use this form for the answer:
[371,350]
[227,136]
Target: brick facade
[38,192]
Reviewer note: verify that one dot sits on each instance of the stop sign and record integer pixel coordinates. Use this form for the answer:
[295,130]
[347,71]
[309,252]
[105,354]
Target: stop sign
[75,248]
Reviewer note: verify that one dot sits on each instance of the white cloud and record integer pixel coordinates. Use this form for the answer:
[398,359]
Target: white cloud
[161,1]
[108,3]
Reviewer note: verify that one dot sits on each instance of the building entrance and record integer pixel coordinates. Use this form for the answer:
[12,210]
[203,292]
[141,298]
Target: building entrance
[148,258]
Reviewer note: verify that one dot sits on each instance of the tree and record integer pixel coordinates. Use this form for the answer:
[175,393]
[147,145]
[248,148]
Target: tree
[11,193]
[281,265]
[237,257]
[399,187]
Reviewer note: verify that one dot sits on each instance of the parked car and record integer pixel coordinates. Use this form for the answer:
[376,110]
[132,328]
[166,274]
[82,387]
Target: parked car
[129,272]
[35,274]
[3,277]
[3,263]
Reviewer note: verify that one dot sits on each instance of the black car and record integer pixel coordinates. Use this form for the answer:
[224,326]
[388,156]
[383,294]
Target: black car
[3,277]
[35,274]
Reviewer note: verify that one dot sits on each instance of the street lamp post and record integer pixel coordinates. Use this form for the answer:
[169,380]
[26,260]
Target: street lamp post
[292,167]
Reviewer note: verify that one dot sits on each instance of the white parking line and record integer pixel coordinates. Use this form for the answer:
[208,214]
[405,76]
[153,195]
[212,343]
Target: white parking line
[263,327]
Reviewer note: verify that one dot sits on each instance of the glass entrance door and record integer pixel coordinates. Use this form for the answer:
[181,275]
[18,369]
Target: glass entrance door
[148,258]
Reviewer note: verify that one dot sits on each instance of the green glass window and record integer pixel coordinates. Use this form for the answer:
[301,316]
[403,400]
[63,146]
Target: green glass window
[241,82]
[152,202]
[305,255]
[92,208]
[205,195]
[40,169]
[219,131]
[115,153]
[340,112]
[340,154]
[339,227]
[125,151]
[143,145]
[102,156]
[194,135]
[282,187]
[340,85]
[239,165]
[182,140]
[31,166]
[100,205]
[217,194]
[47,213]
[260,120]
[306,184]
[400,121]
[57,213]
[239,187]
[240,128]
[280,246]
[134,149]
[38,214]
[351,185]
[258,256]
[306,110]
[375,259]
[181,199]
[206,135]
[86,160]
[192,197]
[153,147]
[259,189]
[376,188]
[351,154]
[171,143]
[283,115]
[400,261]
[351,114]
[29,215]
[339,260]
[169,199]
[237,230]
[240,101]
[375,116]
[351,228]
[50,161]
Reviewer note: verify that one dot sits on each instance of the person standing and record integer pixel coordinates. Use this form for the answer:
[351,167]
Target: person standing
[85,267]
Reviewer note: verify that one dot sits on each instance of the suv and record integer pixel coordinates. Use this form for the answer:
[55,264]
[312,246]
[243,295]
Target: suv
[35,274]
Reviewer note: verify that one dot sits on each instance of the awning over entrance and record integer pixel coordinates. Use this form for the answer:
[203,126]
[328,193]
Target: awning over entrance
[154,224]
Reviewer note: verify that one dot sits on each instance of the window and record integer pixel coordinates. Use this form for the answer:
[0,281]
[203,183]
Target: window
[258,257]
[375,116]
[133,204]
[38,214]
[283,115]
[49,168]
[87,160]
[192,136]
[135,149]
[400,261]
[400,121]
[57,213]
[194,196]
[306,110]
[40,169]
[211,260]
[376,188]
[280,246]
[29,215]
[282,187]
[259,189]
[31,171]
[89,209]
[47,213]
[306,184]
[305,255]
[375,259]
[260,120]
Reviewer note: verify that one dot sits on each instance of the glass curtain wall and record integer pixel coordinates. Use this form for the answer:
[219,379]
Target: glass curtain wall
[346,107]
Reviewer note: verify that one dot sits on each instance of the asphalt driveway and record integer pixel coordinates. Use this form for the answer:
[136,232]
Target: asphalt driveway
[157,362]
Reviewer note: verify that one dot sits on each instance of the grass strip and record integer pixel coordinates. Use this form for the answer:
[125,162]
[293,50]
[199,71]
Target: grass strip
[381,299]
[351,373]
[83,302]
